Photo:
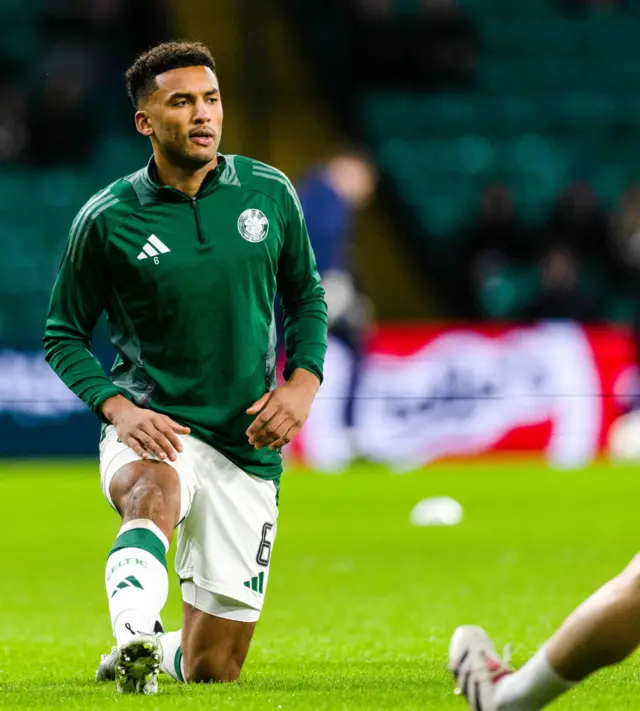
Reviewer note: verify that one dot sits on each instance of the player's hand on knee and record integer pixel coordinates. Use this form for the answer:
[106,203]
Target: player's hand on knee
[158,434]
[145,431]
[155,434]
[281,413]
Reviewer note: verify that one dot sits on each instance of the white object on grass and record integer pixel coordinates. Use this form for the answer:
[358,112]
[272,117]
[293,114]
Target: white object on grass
[624,438]
[436,511]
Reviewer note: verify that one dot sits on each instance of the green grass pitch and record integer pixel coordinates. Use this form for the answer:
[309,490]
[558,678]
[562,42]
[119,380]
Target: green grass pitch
[361,604]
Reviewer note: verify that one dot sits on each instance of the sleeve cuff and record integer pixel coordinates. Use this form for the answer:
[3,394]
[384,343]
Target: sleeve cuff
[292,365]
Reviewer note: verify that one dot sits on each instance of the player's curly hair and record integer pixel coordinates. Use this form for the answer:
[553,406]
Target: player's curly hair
[141,75]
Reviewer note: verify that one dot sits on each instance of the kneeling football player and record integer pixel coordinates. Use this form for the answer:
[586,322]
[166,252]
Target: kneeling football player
[186,256]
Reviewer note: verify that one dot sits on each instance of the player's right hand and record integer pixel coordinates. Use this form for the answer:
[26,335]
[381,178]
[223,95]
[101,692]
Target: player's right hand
[145,431]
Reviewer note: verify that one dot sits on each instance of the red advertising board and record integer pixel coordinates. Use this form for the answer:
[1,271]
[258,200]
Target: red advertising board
[425,392]
[428,392]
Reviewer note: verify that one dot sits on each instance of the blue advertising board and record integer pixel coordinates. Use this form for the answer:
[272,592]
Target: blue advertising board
[39,416]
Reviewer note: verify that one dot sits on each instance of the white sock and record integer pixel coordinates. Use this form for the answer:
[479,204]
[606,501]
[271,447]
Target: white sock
[172,662]
[136,578]
[532,687]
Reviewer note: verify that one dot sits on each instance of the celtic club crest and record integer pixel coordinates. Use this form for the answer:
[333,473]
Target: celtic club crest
[253,225]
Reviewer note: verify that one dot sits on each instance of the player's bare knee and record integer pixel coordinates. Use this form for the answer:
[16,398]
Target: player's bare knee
[147,490]
[145,497]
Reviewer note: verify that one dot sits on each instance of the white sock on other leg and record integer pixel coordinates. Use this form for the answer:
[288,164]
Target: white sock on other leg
[172,662]
[532,687]
[136,579]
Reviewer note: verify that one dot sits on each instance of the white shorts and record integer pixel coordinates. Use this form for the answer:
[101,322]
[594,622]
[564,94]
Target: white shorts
[227,522]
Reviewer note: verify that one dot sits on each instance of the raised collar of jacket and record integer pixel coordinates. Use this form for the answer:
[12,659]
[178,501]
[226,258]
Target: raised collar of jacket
[148,182]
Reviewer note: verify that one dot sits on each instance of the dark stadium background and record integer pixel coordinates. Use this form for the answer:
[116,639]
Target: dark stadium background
[504,135]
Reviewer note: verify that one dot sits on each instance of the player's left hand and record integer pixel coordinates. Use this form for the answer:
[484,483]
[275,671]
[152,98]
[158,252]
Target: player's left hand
[282,412]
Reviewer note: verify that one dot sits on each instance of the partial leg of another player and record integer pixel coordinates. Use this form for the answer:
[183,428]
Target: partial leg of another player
[603,631]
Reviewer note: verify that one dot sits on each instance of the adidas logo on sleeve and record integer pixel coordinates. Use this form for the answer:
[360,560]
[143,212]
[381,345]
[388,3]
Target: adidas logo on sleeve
[153,247]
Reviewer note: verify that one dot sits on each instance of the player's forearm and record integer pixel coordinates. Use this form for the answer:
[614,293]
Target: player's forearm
[306,337]
[79,370]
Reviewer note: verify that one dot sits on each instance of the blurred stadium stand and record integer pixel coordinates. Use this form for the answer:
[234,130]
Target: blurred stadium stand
[66,126]
[64,133]
[467,100]
[553,101]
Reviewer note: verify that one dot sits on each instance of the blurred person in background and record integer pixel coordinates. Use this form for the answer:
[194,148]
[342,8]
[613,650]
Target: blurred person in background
[560,295]
[61,121]
[514,271]
[14,132]
[495,242]
[625,247]
[571,250]
[332,194]
[579,222]
[625,237]
[624,436]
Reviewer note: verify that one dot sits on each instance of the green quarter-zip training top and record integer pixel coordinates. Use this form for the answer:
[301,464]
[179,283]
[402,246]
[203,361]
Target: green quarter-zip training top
[188,285]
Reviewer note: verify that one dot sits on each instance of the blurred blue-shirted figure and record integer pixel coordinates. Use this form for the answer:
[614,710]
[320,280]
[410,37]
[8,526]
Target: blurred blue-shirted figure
[332,194]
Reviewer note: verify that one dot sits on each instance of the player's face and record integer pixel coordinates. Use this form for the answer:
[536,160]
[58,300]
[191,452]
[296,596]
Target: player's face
[184,115]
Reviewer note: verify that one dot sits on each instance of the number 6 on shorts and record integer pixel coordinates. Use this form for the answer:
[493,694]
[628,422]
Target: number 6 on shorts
[264,550]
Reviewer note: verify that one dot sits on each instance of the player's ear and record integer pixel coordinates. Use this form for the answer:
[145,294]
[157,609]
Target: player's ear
[143,123]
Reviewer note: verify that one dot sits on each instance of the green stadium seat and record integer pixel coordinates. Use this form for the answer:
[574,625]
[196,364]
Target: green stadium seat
[12,10]
[117,155]
[507,291]
[475,155]
[20,43]
[407,7]
[61,188]
[15,188]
